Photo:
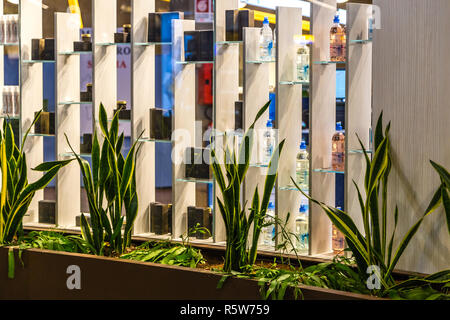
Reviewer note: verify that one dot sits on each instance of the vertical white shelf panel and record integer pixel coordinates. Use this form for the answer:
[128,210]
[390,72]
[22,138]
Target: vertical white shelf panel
[358,109]
[31,97]
[226,90]
[183,193]
[143,98]
[67,120]
[322,126]
[256,95]
[288,111]
[104,13]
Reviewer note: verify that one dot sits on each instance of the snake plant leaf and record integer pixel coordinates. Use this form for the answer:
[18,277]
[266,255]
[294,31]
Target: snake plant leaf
[391,242]
[46,166]
[446,203]
[444,174]
[103,120]
[95,153]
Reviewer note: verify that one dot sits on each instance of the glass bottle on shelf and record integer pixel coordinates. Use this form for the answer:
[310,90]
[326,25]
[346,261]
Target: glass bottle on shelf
[266,41]
[302,229]
[268,232]
[337,41]
[302,64]
[338,149]
[370,31]
[302,167]
[269,142]
[338,240]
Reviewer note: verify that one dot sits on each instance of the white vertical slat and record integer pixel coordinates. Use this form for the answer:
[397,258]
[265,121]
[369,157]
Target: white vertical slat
[226,90]
[322,126]
[358,109]
[104,13]
[288,111]
[143,98]
[67,120]
[411,74]
[31,98]
[183,193]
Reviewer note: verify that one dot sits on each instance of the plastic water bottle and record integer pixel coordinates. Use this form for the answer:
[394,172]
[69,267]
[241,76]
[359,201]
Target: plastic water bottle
[370,32]
[301,228]
[337,41]
[302,65]
[269,231]
[338,149]
[302,167]
[269,142]
[338,240]
[266,41]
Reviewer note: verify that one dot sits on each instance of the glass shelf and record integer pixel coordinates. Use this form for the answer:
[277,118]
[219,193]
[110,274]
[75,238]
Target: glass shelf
[228,42]
[329,62]
[105,44]
[12,117]
[260,61]
[9,44]
[360,151]
[71,154]
[40,135]
[259,165]
[292,188]
[328,170]
[67,53]
[298,82]
[192,180]
[154,140]
[38,61]
[193,62]
[153,43]
[65,103]
[361,41]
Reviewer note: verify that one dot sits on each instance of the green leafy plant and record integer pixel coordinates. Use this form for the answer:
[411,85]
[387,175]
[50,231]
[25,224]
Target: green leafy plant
[51,240]
[230,179]
[110,186]
[371,247]
[16,192]
[169,253]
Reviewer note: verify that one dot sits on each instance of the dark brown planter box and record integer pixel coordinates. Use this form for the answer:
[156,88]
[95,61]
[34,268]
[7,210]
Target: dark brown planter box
[44,276]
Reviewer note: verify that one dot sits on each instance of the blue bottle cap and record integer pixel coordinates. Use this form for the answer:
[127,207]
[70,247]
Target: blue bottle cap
[336,19]
[303,145]
[303,208]
[339,126]
[266,20]
[271,205]
[269,124]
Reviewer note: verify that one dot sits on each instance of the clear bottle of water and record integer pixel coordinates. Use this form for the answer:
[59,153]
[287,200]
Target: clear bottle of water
[266,41]
[338,240]
[370,31]
[302,229]
[269,231]
[338,149]
[269,142]
[303,61]
[337,41]
[302,167]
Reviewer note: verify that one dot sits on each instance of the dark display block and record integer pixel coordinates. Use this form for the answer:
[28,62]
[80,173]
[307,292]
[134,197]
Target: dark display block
[160,25]
[43,49]
[238,115]
[86,146]
[85,45]
[78,219]
[202,217]
[160,124]
[47,211]
[86,96]
[231,24]
[160,218]
[197,163]
[45,124]
[199,45]
[122,37]
[246,19]
[124,113]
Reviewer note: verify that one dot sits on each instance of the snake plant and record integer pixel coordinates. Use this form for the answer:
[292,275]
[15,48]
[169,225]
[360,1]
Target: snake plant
[16,192]
[110,186]
[237,217]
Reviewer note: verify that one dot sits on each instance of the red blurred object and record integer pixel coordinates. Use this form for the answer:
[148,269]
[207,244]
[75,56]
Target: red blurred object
[205,89]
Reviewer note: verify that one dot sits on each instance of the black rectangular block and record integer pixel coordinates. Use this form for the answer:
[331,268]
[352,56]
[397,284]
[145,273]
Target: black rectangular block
[160,124]
[197,163]
[47,211]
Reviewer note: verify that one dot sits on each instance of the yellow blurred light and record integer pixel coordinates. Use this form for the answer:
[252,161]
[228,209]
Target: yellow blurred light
[75,8]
